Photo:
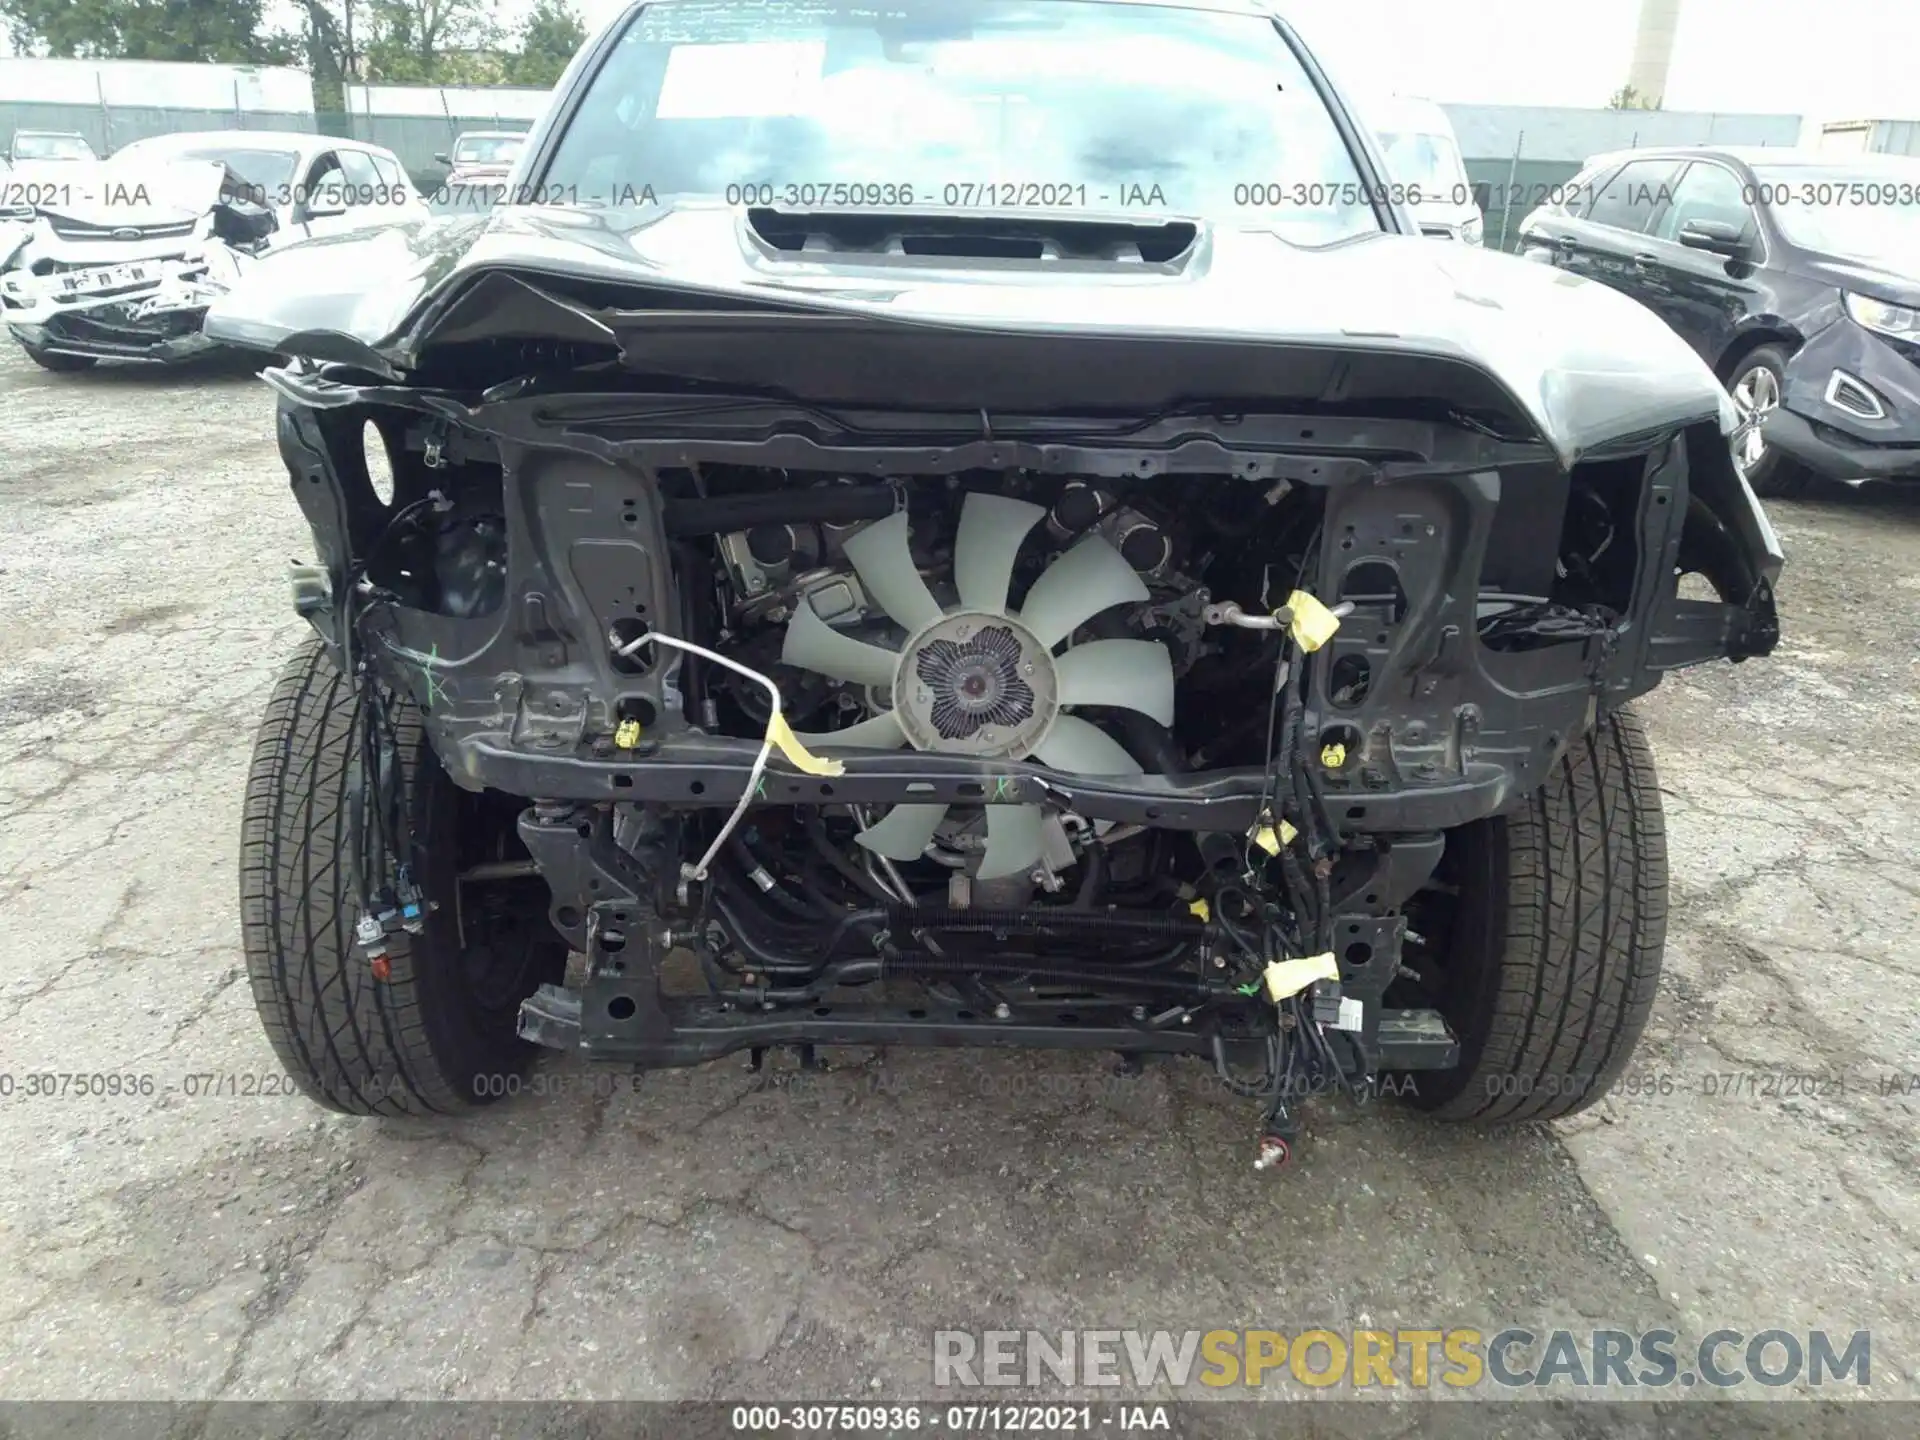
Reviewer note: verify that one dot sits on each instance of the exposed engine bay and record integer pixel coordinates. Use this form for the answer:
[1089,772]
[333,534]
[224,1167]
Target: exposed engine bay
[1043,620]
[1138,735]
[1089,627]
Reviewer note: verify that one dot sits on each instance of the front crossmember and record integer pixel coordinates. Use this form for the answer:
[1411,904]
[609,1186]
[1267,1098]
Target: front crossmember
[894,974]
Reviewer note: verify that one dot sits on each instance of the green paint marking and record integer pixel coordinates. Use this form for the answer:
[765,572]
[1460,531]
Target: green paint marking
[760,790]
[435,691]
[1006,788]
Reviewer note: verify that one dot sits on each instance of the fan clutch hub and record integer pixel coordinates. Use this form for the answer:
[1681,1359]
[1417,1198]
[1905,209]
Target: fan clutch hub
[976,684]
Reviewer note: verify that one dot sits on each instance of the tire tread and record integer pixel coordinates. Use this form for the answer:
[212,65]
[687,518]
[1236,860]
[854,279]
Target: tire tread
[1585,931]
[351,1042]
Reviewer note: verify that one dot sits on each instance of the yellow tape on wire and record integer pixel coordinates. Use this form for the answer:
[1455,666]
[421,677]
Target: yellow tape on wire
[780,735]
[1273,841]
[1313,623]
[1290,977]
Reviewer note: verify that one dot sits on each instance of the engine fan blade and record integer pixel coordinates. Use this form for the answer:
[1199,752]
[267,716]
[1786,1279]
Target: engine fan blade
[906,831]
[1089,578]
[1133,674]
[1081,748]
[812,644]
[885,565]
[1013,840]
[882,732]
[991,529]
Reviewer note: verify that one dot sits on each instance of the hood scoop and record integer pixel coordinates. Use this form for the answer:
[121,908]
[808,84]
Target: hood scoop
[905,237]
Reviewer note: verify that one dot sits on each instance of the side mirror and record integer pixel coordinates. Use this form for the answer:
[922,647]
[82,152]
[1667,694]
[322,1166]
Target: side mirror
[325,207]
[1716,237]
[439,159]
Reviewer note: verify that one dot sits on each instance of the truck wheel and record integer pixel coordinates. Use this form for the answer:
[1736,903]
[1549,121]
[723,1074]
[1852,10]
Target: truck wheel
[438,1033]
[1758,382]
[1542,937]
[54,360]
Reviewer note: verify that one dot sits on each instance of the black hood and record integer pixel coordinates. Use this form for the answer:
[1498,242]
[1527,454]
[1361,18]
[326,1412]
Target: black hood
[695,290]
[1895,280]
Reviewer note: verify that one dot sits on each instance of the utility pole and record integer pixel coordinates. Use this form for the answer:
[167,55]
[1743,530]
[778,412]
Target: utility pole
[1653,51]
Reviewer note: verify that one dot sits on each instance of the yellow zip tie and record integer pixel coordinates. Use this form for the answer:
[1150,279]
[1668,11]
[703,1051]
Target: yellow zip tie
[1313,623]
[780,735]
[1271,841]
[1290,977]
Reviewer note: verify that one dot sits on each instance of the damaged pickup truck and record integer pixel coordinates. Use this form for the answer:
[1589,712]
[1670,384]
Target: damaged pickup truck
[120,259]
[879,564]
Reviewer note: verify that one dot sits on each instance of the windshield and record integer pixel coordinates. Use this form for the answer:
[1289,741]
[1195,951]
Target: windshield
[487,149]
[966,104]
[266,174]
[1854,213]
[51,147]
[1429,162]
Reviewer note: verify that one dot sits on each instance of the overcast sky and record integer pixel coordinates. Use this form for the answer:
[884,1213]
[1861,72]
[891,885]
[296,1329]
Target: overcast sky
[1830,59]
[1834,59]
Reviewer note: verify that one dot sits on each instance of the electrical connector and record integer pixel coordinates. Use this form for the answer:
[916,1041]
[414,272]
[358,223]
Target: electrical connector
[403,909]
[409,904]
[1327,1002]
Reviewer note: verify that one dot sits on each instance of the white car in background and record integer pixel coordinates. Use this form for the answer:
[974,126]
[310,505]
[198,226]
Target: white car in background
[478,168]
[1423,154]
[483,155]
[120,258]
[16,215]
[55,146]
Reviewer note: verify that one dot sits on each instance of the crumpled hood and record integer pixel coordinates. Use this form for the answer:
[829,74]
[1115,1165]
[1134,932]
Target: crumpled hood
[108,193]
[45,172]
[1584,363]
[14,234]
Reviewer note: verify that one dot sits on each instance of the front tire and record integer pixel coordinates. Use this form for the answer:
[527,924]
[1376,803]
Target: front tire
[1546,956]
[55,361]
[439,1034]
[1758,382]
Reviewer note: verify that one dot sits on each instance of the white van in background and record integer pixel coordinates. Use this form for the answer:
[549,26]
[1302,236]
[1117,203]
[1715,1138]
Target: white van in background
[1422,153]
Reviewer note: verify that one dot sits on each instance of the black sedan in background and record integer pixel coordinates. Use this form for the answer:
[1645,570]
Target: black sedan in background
[1794,273]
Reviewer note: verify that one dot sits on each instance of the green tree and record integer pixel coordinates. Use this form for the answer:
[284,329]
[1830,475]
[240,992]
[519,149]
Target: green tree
[547,42]
[325,42]
[1628,98]
[432,42]
[221,31]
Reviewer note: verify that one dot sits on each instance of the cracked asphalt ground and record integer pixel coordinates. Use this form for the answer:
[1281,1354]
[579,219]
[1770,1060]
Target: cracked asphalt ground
[708,1234]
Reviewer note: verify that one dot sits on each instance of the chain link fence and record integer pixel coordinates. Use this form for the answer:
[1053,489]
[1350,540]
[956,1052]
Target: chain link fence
[416,139]
[108,127]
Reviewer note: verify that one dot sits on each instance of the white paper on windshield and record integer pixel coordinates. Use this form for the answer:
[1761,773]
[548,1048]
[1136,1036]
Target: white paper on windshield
[726,82]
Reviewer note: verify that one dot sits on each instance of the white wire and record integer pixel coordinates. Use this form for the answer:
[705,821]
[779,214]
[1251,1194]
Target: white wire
[699,871]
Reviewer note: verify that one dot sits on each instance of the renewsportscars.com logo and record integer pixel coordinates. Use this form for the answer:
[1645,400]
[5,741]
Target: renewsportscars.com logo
[1458,1358]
